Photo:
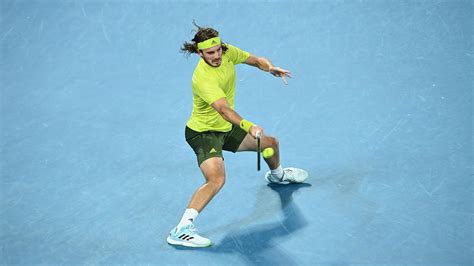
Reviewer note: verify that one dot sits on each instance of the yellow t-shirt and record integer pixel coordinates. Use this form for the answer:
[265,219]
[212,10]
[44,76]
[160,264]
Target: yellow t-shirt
[210,84]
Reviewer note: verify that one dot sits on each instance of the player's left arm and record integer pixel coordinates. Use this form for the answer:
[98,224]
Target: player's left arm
[266,65]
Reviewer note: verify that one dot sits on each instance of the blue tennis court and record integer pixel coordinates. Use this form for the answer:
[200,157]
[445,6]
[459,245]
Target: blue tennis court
[95,168]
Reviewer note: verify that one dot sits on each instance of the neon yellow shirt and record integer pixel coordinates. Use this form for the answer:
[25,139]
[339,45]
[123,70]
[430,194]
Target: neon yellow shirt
[210,84]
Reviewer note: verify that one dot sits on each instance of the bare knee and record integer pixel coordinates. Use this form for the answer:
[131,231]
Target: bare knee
[273,142]
[217,181]
[213,171]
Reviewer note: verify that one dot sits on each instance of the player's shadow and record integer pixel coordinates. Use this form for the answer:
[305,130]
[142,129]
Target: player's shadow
[259,245]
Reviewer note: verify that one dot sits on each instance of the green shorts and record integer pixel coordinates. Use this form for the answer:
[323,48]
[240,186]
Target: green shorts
[210,144]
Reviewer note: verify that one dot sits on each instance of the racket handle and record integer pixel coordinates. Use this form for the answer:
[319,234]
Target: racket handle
[259,133]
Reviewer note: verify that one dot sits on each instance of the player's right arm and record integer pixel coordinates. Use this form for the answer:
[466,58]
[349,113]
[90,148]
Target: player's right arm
[222,107]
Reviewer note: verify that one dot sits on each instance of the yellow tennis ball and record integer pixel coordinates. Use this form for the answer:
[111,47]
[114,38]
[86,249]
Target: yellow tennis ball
[268,152]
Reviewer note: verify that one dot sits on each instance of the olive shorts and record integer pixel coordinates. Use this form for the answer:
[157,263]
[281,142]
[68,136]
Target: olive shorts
[210,144]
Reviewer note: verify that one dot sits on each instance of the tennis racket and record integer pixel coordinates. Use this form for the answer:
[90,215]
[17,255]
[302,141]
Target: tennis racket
[259,135]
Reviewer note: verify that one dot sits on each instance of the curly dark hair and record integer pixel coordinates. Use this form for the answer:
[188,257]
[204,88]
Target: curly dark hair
[201,35]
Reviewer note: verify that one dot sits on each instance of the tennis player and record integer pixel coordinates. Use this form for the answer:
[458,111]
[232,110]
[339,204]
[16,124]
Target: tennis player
[215,126]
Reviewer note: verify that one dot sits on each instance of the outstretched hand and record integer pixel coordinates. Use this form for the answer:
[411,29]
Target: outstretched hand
[280,72]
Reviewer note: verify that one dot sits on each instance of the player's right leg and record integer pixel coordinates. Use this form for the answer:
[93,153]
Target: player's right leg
[214,173]
[185,234]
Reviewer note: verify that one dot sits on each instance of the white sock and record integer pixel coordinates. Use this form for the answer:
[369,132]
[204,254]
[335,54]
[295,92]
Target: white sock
[277,172]
[188,217]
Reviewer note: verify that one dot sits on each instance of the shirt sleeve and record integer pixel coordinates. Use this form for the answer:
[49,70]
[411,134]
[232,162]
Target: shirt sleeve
[209,90]
[236,55]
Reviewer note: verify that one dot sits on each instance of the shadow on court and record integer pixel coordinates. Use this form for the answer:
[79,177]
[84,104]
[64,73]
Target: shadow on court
[259,244]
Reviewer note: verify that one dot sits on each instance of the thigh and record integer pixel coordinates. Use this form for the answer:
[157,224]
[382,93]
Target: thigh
[233,139]
[250,143]
[213,169]
[205,144]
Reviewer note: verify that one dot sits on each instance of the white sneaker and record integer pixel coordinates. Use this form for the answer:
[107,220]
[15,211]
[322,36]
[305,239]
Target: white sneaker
[187,236]
[290,175]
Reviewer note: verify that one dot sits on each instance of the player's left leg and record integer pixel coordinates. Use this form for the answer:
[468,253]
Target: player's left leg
[277,174]
[249,144]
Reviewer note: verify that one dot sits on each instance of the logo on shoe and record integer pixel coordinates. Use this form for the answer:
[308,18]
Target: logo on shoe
[185,237]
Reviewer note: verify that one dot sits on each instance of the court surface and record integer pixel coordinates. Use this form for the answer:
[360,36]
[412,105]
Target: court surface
[95,169]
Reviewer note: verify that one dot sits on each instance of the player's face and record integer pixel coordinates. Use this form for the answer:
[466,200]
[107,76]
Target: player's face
[213,55]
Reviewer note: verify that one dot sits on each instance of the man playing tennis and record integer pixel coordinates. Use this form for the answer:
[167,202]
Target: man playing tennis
[214,126]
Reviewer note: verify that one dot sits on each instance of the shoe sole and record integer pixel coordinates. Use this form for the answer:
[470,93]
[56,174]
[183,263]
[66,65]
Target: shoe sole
[186,244]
